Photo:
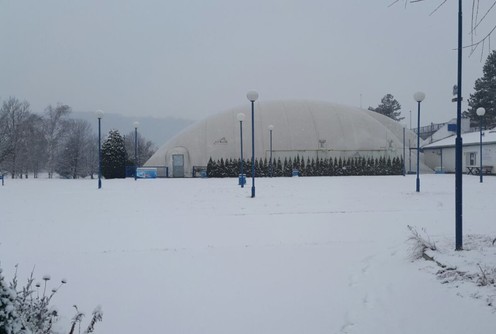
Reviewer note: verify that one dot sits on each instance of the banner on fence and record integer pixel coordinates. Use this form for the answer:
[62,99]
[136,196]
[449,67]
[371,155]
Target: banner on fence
[146,173]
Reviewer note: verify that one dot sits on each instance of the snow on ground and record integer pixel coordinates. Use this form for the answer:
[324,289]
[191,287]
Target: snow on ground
[306,255]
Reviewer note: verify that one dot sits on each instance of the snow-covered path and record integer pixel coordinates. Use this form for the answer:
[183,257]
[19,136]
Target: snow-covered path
[307,255]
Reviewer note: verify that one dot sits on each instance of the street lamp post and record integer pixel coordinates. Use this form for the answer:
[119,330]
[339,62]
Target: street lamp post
[480,112]
[459,140]
[404,153]
[99,114]
[409,156]
[252,97]
[419,97]
[271,166]
[241,118]
[135,124]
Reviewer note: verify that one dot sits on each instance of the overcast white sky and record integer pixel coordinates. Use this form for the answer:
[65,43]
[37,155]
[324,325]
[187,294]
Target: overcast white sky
[195,58]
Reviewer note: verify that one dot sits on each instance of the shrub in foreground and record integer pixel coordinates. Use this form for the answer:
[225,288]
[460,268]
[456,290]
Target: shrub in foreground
[27,310]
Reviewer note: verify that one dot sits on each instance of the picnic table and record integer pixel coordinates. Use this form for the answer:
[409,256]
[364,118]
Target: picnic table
[475,170]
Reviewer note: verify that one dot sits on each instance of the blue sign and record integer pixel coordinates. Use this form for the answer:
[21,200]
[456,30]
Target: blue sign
[146,173]
[452,127]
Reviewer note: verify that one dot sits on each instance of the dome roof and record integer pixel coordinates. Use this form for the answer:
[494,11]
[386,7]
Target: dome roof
[304,128]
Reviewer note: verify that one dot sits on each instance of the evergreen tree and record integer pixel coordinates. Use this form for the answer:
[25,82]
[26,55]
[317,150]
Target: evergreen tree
[233,167]
[389,168]
[247,169]
[264,168]
[332,166]
[325,167]
[301,167]
[222,168]
[296,163]
[259,167]
[288,167]
[389,107]
[10,321]
[212,168]
[485,94]
[278,169]
[114,156]
[351,166]
[316,167]
[209,167]
[229,168]
[310,167]
[382,166]
[246,166]
[370,166]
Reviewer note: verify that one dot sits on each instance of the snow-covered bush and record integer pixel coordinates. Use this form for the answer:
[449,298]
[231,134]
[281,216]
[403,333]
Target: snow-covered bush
[487,276]
[34,309]
[27,310]
[419,243]
[9,320]
[77,319]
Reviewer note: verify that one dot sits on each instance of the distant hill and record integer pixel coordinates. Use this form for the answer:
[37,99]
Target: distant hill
[158,130]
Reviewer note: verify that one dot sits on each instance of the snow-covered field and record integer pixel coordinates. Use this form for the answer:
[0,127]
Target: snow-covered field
[307,255]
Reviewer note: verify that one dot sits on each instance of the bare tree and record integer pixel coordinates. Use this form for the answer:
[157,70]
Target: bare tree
[54,130]
[92,156]
[4,137]
[480,14]
[32,148]
[146,148]
[13,118]
[74,159]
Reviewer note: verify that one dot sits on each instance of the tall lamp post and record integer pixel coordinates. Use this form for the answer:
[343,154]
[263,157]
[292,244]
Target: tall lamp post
[252,97]
[135,124]
[404,153]
[419,97]
[241,118]
[480,112]
[271,166]
[459,139]
[99,114]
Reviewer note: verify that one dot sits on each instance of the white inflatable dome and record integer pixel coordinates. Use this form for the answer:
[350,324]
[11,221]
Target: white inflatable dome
[307,129]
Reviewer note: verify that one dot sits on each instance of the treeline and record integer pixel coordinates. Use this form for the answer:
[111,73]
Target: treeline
[31,143]
[308,167]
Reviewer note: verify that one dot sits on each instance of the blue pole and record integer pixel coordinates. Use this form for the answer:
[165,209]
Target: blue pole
[404,153]
[459,142]
[409,156]
[418,148]
[241,161]
[135,153]
[442,160]
[252,149]
[271,166]
[480,130]
[99,154]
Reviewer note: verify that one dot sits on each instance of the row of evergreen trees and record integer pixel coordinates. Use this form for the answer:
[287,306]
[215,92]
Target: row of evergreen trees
[312,167]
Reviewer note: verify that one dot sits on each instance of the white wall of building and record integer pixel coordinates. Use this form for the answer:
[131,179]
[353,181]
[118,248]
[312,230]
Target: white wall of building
[442,153]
